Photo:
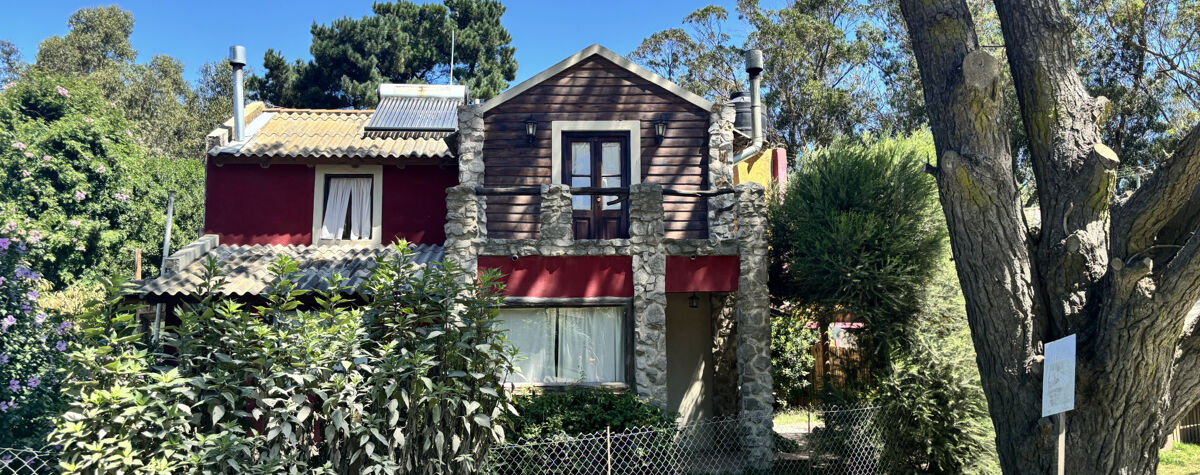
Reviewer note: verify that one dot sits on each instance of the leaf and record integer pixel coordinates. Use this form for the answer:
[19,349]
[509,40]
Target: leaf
[483,420]
[303,413]
[218,412]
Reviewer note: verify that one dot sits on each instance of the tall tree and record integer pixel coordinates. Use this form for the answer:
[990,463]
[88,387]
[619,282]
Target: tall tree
[11,64]
[400,42]
[99,37]
[1121,271]
[702,58]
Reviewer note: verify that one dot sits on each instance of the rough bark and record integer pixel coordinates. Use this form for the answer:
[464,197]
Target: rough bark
[1121,272]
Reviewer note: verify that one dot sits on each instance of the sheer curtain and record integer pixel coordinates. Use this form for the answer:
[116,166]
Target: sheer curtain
[590,342]
[360,208]
[347,195]
[531,330]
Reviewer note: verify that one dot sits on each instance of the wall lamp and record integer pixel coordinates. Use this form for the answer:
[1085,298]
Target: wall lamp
[530,129]
[694,301]
[660,130]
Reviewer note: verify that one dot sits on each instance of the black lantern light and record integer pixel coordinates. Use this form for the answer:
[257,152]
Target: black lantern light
[660,130]
[694,301]
[530,129]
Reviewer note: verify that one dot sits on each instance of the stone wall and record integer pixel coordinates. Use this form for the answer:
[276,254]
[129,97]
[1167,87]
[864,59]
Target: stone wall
[754,325]
[724,352]
[649,291]
[720,171]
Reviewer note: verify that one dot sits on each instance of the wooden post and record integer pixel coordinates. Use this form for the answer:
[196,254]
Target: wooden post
[137,264]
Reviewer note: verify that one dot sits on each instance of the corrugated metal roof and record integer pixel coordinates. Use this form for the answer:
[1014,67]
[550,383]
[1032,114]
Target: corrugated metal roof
[311,133]
[415,113]
[247,269]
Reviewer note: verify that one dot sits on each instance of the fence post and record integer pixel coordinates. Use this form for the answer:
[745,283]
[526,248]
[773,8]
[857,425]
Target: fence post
[608,448]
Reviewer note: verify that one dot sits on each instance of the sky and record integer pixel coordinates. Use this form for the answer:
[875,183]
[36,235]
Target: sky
[195,32]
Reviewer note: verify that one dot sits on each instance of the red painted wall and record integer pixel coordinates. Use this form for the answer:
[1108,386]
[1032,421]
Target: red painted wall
[249,204]
[564,277]
[414,203]
[702,274]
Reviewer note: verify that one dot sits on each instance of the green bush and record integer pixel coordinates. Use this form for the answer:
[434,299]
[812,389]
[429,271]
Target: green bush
[792,357]
[32,342]
[407,382]
[581,411]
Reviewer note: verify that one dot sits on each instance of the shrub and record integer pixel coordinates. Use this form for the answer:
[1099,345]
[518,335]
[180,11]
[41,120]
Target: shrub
[32,342]
[580,411]
[407,382]
[792,358]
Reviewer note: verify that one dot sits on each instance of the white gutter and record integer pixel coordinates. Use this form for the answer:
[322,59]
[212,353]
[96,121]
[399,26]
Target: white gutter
[754,66]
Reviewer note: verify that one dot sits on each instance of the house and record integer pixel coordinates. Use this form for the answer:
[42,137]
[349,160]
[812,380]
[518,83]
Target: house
[602,191]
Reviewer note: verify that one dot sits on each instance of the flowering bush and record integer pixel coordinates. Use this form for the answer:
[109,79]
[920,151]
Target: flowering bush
[77,184]
[32,343]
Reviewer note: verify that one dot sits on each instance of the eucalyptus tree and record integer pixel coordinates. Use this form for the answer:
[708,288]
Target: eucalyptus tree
[1120,270]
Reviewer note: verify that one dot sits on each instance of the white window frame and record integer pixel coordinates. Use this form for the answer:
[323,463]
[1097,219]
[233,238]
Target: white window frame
[632,127]
[376,172]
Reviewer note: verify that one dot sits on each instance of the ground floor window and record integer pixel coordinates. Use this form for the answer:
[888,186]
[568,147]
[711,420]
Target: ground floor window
[567,344]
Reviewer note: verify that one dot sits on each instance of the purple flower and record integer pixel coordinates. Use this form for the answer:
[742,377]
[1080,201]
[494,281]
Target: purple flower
[40,318]
[24,272]
[33,381]
[88,120]
[3,359]
[122,197]
[74,223]
[101,169]
[64,326]
[11,226]
[80,248]
[19,145]
[35,236]
[4,242]
[80,195]
[14,385]
[25,173]
[28,154]
[46,158]
[4,408]
[62,91]
[61,345]
[7,322]
[31,296]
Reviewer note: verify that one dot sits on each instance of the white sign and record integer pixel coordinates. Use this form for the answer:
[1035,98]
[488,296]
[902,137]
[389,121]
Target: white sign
[1058,377]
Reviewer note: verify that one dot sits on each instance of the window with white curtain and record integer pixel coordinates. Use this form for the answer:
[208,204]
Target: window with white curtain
[347,213]
[567,344]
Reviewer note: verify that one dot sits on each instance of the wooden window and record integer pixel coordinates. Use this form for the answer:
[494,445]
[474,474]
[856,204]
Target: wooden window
[597,160]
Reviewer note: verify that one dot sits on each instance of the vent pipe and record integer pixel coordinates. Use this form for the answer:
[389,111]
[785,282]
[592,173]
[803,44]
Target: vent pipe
[237,59]
[754,67]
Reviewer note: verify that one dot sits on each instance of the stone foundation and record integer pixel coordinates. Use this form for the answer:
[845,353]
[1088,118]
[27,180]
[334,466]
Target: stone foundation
[754,327]
[649,291]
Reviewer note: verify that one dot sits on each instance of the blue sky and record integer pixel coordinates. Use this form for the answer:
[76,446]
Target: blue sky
[198,31]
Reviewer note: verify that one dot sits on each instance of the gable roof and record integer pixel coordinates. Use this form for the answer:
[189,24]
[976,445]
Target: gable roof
[597,50]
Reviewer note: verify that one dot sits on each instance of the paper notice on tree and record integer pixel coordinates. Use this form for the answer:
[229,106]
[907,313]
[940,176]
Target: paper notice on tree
[1058,377]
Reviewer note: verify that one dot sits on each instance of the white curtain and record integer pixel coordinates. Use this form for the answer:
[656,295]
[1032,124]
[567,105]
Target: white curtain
[351,195]
[531,330]
[590,342]
[360,208]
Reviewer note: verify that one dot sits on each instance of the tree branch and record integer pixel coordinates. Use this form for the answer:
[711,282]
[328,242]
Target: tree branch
[1138,220]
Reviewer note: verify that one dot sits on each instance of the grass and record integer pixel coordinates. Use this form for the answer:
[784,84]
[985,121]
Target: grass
[797,417]
[1182,459]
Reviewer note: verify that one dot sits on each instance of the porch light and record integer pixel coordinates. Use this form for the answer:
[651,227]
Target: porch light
[530,129]
[694,301]
[660,130]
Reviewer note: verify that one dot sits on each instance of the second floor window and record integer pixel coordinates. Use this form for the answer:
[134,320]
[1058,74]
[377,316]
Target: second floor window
[348,213]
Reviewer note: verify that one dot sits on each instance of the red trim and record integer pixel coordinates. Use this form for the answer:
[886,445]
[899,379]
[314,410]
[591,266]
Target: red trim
[702,273]
[564,277]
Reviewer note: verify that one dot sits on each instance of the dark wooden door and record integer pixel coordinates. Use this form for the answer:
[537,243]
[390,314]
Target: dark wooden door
[600,161]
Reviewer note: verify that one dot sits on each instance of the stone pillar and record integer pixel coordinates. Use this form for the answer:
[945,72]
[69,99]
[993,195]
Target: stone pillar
[720,171]
[649,291]
[556,230]
[470,157]
[754,327]
[462,228]
[724,351]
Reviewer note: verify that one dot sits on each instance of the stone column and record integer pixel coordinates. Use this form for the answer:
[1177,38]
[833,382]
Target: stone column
[462,228]
[720,171]
[754,327]
[649,291]
[556,230]
[724,351]
[470,156]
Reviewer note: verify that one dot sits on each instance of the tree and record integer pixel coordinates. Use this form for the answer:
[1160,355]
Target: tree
[1121,271]
[701,60]
[11,65]
[99,36]
[401,42]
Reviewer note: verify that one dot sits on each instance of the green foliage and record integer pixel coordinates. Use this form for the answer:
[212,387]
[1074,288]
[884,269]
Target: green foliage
[792,356]
[934,416]
[31,346]
[582,411]
[408,382]
[401,42]
[81,191]
[857,230]
[702,59]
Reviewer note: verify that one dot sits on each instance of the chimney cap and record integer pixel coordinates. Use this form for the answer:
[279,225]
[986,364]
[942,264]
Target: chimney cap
[754,61]
[237,55]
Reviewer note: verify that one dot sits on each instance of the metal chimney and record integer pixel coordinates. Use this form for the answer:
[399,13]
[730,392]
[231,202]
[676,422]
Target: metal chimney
[237,59]
[754,67]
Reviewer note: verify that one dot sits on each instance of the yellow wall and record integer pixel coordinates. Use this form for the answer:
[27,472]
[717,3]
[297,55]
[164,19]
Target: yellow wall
[756,169]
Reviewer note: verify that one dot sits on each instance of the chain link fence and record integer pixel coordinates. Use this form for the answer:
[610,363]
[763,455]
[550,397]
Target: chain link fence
[832,441]
[26,462]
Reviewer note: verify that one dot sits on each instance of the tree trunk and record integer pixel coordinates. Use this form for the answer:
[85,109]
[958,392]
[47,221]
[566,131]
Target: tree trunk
[1121,272]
